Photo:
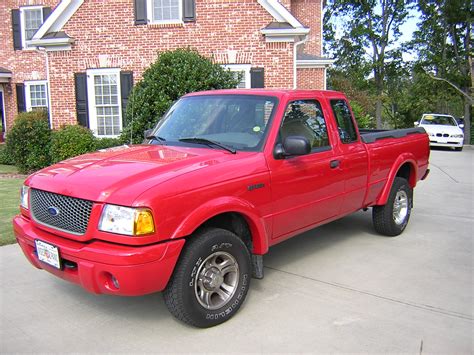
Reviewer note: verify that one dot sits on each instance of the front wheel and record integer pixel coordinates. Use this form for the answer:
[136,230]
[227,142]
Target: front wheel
[392,218]
[459,149]
[211,279]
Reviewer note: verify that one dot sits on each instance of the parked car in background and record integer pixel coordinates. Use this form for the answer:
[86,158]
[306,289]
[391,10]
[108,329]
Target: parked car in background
[443,130]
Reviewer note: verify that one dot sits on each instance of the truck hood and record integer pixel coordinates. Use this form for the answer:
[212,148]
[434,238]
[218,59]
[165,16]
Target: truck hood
[442,129]
[119,175]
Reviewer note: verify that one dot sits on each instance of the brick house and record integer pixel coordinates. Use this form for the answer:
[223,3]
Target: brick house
[80,58]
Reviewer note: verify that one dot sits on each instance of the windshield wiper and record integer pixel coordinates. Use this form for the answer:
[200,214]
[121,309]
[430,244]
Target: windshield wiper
[208,142]
[160,140]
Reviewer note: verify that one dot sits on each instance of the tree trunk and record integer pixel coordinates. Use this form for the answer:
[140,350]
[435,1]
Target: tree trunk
[467,121]
[378,112]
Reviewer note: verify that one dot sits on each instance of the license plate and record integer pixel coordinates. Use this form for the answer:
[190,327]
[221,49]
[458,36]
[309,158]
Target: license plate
[48,254]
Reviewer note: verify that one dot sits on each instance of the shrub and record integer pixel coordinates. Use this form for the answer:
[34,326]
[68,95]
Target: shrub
[174,74]
[70,141]
[5,158]
[103,143]
[28,141]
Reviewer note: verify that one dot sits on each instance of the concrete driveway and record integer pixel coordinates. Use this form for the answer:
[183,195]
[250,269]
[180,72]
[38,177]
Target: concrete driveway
[339,288]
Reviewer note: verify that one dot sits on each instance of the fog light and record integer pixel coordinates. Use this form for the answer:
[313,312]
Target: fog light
[115,282]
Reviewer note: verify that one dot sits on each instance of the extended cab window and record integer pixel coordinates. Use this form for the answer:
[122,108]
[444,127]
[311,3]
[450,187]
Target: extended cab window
[345,124]
[305,118]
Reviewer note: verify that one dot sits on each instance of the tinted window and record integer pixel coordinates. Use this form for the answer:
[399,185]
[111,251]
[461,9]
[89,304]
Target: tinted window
[345,124]
[305,118]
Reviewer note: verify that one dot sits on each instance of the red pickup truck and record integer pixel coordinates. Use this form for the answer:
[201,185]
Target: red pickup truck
[223,176]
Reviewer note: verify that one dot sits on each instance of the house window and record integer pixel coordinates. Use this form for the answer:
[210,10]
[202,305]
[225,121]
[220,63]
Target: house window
[103,86]
[165,11]
[36,95]
[244,71]
[31,21]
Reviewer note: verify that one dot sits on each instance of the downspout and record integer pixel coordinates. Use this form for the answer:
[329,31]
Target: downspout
[295,54]
[48,86]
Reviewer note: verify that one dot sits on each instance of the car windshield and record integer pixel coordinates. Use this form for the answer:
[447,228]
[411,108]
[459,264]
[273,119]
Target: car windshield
[438,120]
[237,122]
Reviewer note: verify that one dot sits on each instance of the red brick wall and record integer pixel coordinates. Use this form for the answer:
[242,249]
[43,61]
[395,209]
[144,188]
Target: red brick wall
[24,64]
[310,78]
[308,12]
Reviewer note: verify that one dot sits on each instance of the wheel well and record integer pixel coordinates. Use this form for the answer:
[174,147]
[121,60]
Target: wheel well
[233,222]
[406,172]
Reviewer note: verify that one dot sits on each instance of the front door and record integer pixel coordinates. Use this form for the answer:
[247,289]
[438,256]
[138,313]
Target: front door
[307,189]
[2,116]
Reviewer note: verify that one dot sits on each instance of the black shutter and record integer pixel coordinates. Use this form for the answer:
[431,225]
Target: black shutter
[189,10]
[257,78]
[20,98]
[140,12]
[16,26]
[82,110]
[126,84]
[46,13]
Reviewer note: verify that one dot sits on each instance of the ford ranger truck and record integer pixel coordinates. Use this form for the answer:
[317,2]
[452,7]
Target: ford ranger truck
[222,177]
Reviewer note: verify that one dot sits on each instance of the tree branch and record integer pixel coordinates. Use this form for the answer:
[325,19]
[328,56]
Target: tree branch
[453,85]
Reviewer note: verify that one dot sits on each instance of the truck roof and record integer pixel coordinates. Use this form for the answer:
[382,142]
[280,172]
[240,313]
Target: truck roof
[266,92]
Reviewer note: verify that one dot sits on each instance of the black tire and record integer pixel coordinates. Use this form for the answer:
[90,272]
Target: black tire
[198,274]
[459,149]
[385,217]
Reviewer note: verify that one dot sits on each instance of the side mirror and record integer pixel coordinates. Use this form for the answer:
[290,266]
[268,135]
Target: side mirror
[292,145]
[417,123]
[147,133]
[461,125]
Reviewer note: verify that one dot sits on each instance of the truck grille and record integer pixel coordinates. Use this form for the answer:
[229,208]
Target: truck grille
[61,212]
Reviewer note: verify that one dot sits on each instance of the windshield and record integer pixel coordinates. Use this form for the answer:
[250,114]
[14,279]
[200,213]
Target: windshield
[438,120]
[239,122]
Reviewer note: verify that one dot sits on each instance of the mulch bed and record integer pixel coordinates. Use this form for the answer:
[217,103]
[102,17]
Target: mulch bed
[12,176]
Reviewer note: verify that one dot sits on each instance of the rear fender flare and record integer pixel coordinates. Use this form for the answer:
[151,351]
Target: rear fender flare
[401,160]
[222,205]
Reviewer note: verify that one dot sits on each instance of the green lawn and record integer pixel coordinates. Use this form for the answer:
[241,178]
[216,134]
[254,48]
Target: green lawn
[8,169]
[9,206]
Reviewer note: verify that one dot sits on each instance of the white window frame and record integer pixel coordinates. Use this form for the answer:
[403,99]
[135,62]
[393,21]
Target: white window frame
[28,85]
[24,45]
[91,98]
[241,68]
[150,8]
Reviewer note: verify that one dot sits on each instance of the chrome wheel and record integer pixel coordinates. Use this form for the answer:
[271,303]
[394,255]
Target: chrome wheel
[400,207]
[216,280]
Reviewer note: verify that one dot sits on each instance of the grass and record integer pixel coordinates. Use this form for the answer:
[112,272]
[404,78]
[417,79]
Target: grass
[8,169]
[9,207]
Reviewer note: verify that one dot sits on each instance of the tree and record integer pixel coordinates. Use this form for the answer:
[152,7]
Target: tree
[443,45]
[373,24]
[174,74]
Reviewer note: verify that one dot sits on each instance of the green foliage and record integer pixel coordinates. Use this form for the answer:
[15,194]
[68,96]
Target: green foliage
[104,143]
[28,141]
[364,120]
[174,74]
[70,141]
[5,158]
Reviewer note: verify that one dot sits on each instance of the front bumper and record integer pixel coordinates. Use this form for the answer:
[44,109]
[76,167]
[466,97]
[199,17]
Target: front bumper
[446,142]
[100,266]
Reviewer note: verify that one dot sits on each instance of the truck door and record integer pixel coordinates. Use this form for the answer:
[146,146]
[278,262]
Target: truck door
[354,161]
[306,189]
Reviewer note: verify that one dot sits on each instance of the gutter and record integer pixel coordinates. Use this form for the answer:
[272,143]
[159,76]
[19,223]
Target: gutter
[295,53]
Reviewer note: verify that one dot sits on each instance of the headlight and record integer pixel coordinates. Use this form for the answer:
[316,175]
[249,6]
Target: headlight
[126,220]
[457,135]
[24,194]
[431,134]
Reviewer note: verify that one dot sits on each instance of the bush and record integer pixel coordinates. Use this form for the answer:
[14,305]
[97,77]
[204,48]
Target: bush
[29,140]
[70,141]
[104,143]
[174,74]
[5,158]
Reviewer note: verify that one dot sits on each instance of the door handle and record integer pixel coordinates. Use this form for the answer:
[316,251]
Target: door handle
[334,164]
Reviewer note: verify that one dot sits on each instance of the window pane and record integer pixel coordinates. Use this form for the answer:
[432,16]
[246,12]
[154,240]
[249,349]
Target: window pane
[33,21]
[165,10]
[305,119]
[345,124]
[107,104]
[38,96]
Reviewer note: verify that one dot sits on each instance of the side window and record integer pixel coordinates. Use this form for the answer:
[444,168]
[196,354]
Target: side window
[345,124]
[305,118]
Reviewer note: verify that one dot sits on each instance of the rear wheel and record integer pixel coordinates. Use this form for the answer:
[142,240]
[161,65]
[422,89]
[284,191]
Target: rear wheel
[392,218]
[211,279]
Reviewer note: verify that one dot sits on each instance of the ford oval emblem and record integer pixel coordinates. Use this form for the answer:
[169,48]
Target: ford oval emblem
[53,211]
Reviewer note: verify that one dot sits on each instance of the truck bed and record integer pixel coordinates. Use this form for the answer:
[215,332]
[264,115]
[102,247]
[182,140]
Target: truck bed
[371,135]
